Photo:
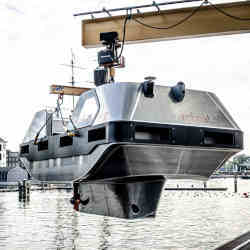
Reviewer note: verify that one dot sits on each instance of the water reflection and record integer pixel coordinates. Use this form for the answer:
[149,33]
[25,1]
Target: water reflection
[24,204]
[66,225]
[75,231]
[59,223]
[185,220]
[3,222]
[104,235]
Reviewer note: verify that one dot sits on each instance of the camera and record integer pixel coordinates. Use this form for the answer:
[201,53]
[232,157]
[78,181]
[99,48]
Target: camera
[109,55]
[108,58]
[108,37]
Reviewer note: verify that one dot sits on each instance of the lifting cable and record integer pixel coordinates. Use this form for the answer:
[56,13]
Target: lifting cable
[173,25]
[192,14]
[227,14]
[45,124]
[58,108]
[60,97]
[129,16]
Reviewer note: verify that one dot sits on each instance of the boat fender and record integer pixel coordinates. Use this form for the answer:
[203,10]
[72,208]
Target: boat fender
[177,92]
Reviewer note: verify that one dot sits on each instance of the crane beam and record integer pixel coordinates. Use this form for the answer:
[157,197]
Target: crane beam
[207,21]
[67,90]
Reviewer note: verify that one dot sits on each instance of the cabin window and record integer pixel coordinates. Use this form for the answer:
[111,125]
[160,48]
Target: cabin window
[152,133]
[25,149]
[218,138]
[85,111]
[66,141]
[97,134]
[43,145]
[38,121]
[88,111]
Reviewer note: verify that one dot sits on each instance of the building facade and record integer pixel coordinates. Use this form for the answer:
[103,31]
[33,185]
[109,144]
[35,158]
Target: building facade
[10,170]
[15,174]
[12,159]
[3,154]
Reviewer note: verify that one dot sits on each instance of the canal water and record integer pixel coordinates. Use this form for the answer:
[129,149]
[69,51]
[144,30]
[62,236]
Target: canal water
[185,220]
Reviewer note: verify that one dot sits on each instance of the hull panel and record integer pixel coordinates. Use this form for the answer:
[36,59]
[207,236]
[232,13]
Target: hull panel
[171,162]
[120,160]
[128,198]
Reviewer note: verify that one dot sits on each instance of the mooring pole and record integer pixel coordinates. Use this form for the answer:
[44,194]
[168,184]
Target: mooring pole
[19,190]
[24,190]
[235,183]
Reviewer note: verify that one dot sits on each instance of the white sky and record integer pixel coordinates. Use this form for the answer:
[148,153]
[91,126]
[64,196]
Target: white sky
[36,37]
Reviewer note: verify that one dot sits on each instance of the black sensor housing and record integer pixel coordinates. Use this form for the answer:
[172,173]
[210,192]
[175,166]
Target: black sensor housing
[106,57]
[108,37]
[100,75]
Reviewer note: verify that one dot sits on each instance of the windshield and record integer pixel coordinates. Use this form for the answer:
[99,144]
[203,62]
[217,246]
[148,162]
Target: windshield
[86,110]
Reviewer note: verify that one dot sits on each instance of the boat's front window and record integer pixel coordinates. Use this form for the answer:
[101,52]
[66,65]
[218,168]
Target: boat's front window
[38,121]
[86,109]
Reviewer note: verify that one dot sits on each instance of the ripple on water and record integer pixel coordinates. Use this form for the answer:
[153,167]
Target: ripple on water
[185,220]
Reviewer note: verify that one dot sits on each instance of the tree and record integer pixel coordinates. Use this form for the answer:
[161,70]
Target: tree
[240,159]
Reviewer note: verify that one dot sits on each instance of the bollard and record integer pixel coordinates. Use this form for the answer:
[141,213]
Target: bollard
[24,190]
[43,186]
[205,184]
[236,183]
[19,190]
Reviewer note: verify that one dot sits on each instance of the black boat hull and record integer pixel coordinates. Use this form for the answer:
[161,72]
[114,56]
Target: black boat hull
[130,197]
[118,160]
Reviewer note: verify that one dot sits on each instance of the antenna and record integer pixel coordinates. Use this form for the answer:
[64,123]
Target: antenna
[72,74]
[73,66]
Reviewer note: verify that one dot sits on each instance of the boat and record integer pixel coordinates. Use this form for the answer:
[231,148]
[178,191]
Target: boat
[125,139]
[245,175]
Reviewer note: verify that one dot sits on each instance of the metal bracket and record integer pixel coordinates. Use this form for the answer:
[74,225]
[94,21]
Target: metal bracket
[157,6]
[137,7]
[106,11]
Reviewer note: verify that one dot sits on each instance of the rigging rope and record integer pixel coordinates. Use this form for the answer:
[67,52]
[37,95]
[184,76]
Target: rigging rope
[227,14]
[173,25]
[190,15]
[48,119]
[124,33]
